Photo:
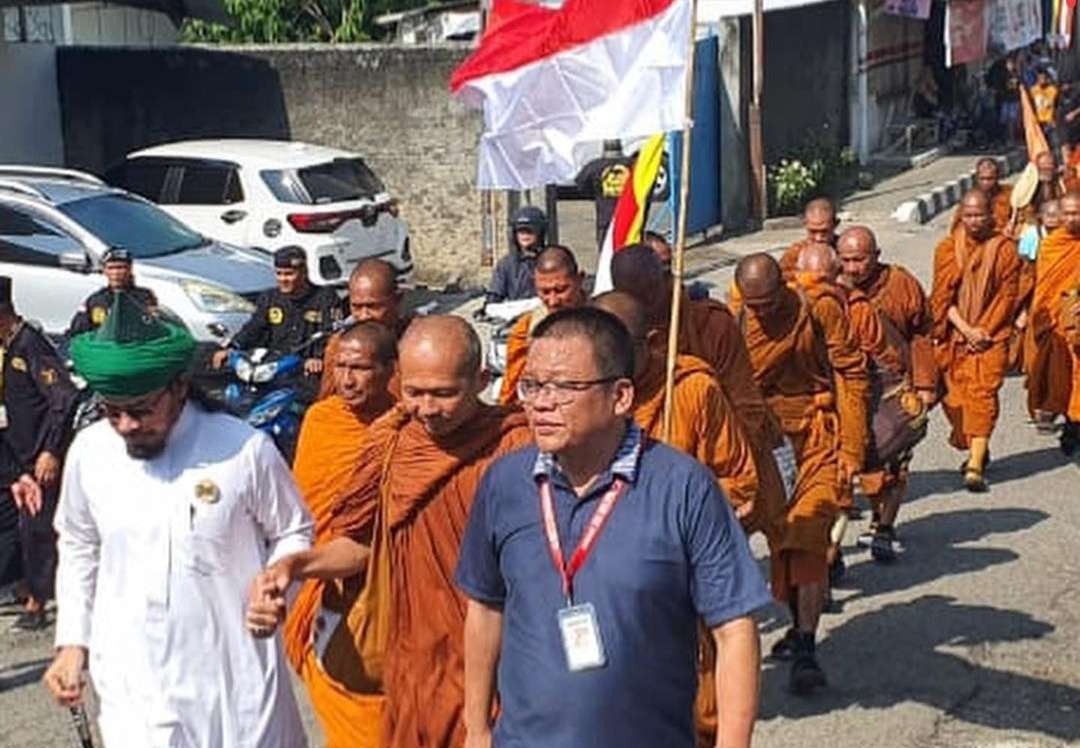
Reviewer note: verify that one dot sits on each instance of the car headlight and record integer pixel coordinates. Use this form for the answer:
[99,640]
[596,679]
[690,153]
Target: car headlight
[214,299]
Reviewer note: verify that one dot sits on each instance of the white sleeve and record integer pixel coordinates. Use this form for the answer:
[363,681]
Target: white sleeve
[78,547]
[276,504]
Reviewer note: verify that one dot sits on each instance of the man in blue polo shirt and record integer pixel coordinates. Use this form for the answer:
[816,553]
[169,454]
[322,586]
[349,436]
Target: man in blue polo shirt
[588,561]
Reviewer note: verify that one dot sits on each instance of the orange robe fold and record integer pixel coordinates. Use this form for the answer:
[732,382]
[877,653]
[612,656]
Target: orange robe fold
[814,378]
[1050,372]
[329,446]
[981,279]
[904,312]
[1069,326]
[517,352]
[418,493]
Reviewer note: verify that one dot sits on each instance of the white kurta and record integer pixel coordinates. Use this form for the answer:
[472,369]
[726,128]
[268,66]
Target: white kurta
[153,579]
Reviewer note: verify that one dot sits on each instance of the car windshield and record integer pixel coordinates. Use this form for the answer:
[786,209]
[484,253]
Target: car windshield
[335,181]
[124,222]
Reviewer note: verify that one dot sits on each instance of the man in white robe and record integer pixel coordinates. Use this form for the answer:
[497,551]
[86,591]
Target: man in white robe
[167,513]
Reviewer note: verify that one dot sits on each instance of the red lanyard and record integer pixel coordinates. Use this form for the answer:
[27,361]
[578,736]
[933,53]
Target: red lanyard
[599,518]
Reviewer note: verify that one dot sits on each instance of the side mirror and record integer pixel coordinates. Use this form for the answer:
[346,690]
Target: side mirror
[75,261]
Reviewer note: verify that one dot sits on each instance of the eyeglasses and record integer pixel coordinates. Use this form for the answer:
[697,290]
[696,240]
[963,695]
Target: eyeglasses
[137,410]
[561,391]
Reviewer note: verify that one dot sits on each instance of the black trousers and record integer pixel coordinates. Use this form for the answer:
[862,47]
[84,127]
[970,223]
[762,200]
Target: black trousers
[28,545]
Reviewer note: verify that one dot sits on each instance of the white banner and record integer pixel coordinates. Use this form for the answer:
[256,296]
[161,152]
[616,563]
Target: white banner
[1014,24]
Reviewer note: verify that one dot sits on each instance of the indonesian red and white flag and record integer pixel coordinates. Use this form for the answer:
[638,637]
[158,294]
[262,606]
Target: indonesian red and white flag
[555,81]
[628,220]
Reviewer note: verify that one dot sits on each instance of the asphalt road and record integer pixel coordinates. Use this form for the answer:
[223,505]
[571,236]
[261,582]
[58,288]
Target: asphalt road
[971,639]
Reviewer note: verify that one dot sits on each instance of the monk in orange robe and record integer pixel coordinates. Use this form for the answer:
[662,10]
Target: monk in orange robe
[331,439]
[708,331]
[559,284]
[814,378]
[973,305]
[904,315]
[1069,326]
[705,427]
[373,296]
[399,528]
[988,181]
[1050,370]
[1021,352]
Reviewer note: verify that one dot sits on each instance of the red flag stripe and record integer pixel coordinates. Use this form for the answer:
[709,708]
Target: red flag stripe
[523,33]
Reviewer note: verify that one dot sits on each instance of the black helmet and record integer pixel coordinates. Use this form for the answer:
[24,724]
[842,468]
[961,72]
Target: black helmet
[532,218]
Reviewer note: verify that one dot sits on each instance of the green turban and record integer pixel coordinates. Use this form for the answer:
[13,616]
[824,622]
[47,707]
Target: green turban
[133,353]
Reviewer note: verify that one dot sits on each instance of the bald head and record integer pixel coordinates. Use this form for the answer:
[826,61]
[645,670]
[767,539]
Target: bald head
[1046,166]
[857,253]
[439,359]
[627,310]
[1050,214]
[975,214]
[818,258]
[759,280]
[637,270]
[1070,213]
[987,175]
[363,366]
[374,336]
[448,339]
[556,258]
[373,293]
[819,219]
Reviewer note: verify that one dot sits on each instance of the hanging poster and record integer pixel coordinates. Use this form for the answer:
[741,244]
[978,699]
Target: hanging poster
[909,8]
[1014,24]
[966,31]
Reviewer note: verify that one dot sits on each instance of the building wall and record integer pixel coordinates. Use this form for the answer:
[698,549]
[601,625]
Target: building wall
[389,103]
[806,76]
[29,107]
[893,61]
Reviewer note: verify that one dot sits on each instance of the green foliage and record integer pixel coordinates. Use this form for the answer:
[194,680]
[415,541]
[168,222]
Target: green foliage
[281,21]
[791,183]
[815,168]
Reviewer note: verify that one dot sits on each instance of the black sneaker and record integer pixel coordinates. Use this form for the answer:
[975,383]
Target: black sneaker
[883,547]
[784,650]
[806,674]
[1070,438]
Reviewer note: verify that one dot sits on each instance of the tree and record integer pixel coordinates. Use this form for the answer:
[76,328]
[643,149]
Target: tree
[280,21]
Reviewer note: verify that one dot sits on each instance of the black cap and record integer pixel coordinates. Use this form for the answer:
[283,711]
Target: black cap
[531,218]
[290,257]
[5,291]
[116,254]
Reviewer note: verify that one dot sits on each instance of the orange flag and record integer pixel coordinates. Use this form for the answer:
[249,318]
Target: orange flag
[1033,132]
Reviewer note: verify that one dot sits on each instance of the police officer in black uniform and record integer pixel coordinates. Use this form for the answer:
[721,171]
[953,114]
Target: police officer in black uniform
[37,403]
[116,264]
[289,315]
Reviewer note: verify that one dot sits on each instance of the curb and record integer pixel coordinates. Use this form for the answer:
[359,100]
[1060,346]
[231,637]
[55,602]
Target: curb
[929,204]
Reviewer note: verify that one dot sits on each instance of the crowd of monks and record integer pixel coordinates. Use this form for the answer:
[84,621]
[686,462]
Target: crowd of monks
[776,392]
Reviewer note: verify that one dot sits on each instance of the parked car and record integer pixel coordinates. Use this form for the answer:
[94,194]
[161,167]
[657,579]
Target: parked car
[55,224]
[269,194]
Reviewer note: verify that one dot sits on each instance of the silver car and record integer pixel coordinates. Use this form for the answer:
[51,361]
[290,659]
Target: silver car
[56,224]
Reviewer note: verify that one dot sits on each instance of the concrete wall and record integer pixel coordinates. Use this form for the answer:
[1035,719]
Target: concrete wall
[389,103]
[893,62]
[806,75]
[29,107]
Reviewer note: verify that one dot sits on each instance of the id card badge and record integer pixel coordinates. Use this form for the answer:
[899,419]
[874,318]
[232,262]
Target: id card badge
[3,417]
[581,638]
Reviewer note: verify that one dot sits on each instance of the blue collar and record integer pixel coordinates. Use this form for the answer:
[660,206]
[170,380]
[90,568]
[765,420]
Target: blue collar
[625,463]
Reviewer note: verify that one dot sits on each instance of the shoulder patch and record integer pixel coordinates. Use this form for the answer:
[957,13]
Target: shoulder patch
[313,315]
[18,363]
[98,314]
[275,315]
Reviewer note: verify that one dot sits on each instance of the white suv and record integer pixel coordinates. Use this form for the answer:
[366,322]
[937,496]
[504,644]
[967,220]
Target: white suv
[269,194]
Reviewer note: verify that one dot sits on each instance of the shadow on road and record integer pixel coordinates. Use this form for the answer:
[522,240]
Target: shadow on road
[20,674]
[897,655]
[928,483]
[933,550]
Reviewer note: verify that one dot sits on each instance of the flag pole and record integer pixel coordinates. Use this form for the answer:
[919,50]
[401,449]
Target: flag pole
[680,234]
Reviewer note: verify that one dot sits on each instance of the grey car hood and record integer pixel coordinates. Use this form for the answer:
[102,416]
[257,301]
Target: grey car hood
[240,270]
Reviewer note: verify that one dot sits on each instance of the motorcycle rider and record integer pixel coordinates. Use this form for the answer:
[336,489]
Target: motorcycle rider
[116,265]
[513,276]
[288,315]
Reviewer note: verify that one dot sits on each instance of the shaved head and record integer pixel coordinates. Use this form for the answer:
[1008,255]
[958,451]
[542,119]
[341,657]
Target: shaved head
[451,339]
[373,293]
[987,175]
[440,359]
[637,270]
[1050,214]
[759,279]
[363,366]
[818,258]
[819,219]
[377,336]
[556,259]
[975,214]
[627,310]
[1070,213]
[857,252]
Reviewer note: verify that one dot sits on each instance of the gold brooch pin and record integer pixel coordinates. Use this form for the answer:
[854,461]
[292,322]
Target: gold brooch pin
[207,491]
